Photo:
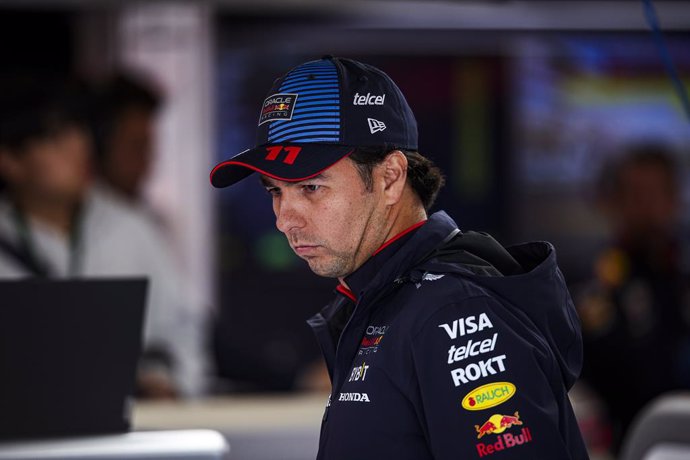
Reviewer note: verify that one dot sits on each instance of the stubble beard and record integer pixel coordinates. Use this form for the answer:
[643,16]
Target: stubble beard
[331,264]
[334,266]
[339,264]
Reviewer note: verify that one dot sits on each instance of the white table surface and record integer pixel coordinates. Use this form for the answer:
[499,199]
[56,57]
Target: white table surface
[668,452]
[141,444]
[241,413]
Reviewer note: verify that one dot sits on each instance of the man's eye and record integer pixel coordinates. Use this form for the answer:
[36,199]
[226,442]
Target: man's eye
[311,188]
[273,191]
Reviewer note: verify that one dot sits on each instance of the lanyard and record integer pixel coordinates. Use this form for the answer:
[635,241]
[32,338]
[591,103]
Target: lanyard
[38,266]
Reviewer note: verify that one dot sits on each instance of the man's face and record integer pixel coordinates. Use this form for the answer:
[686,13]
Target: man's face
[54,168]
[130,151]
[332,221]
[646,202]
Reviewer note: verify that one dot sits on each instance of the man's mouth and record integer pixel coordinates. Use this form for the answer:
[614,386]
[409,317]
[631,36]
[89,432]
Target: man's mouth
[305,249]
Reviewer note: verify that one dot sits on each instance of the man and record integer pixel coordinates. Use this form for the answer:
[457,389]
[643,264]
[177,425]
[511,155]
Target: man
[439,344]
[124,133]
[53,225]
[636,310]
[123,129]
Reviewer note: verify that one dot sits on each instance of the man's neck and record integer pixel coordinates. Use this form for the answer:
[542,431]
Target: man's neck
[401,217]
[406,218]
[55,214]
[129,194]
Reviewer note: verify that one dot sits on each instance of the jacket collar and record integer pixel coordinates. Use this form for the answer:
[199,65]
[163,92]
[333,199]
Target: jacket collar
[397,256]
[373,279]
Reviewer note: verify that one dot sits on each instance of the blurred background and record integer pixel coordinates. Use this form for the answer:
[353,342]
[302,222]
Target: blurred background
[553,120]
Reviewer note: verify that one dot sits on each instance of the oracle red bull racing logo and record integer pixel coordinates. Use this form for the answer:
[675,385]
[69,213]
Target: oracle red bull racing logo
[277,107]
[372,339]
[497,424]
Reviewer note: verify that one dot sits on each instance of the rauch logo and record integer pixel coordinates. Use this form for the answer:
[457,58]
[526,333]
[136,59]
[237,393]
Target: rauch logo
[489,395]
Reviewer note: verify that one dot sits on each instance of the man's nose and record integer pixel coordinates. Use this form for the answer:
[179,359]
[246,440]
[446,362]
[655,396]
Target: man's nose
[288,217]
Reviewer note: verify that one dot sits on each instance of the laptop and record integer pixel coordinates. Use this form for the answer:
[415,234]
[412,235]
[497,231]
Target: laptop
[68,355]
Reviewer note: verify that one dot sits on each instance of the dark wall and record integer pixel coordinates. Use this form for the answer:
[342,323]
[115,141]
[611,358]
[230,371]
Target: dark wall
[36,40]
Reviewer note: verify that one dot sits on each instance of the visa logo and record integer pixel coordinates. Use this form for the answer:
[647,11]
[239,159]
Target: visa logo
[468,325]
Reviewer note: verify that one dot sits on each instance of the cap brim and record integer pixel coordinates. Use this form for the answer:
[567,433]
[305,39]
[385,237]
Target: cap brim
[288,162]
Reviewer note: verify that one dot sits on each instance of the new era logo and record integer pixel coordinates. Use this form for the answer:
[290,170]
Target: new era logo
[375,126]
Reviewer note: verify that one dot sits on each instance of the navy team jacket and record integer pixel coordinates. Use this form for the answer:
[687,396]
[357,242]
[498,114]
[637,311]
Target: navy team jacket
[450,346]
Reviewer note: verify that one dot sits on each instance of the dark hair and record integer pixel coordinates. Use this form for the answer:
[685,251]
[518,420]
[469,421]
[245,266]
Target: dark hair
[33,108]
[423,175]
[119,94]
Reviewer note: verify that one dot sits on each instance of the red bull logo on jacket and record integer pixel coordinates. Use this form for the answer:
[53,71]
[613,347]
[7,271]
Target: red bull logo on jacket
[497,424]
[371,341]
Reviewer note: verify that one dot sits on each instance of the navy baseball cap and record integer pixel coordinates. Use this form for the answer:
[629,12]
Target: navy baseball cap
[316,115]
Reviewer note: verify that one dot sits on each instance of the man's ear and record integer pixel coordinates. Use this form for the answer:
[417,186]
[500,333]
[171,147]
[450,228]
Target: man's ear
[393,171]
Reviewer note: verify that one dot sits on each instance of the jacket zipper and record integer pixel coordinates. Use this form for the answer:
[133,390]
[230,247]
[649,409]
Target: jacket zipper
[335,390]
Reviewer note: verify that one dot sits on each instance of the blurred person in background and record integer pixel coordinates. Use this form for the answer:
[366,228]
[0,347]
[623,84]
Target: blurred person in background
[124,134]
[123,126]
[52,224]
[635,312]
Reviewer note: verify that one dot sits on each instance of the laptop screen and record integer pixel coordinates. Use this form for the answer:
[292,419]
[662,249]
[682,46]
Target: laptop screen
[68,355]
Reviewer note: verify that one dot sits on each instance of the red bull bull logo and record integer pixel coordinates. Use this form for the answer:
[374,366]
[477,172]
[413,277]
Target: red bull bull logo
[497,424]
[371,341]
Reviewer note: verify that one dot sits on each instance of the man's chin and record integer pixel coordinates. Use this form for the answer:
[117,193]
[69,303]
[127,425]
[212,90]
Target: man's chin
[326,269]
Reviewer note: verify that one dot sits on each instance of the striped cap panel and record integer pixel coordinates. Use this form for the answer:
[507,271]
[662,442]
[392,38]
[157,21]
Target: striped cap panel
[316,117]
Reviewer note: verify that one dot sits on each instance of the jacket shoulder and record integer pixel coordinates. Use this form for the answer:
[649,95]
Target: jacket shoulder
[420,300]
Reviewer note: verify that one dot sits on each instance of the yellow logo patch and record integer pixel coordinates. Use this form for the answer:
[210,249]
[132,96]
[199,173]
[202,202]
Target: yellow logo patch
[489,395]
